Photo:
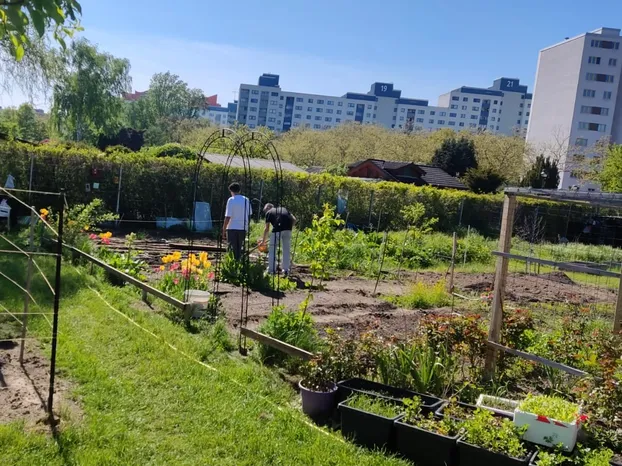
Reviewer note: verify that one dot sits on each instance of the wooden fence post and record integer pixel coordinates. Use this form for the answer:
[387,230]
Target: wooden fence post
[496,312]
[450,285]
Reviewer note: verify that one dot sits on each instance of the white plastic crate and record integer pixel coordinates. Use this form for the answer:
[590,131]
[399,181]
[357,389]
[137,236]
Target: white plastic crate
[547,431]
[486,402]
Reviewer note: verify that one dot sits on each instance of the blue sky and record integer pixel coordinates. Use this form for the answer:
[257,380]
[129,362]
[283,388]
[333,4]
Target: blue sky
[425,48]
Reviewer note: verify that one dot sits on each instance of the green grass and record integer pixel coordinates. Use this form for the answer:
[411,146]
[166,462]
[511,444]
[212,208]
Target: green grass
[424,296]
[144,403]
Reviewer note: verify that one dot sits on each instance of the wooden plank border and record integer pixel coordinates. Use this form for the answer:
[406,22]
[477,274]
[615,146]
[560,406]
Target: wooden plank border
[541,360]
[128,278]
[560,265]
[278,344]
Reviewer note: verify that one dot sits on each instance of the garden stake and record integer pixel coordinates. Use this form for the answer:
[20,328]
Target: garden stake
[384,249]
[28,281]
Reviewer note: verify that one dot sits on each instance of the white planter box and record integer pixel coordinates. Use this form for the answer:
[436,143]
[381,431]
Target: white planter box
[488,402]
[546,431]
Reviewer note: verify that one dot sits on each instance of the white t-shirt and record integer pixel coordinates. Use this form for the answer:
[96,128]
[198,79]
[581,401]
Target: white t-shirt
[239,209]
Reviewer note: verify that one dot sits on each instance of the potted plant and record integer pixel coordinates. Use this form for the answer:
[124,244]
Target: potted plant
[424,438]
[497,405]
[369,419]
[490,439]
[551,458]
[318,389]
[358,385]
[549,421]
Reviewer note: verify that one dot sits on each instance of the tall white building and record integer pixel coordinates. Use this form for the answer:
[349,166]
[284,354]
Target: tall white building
[576,98]
[503,108]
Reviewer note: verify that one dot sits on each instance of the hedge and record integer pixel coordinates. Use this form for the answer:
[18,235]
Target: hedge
[162,187]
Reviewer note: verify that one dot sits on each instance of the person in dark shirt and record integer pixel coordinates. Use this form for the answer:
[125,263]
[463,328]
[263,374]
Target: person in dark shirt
[282,222]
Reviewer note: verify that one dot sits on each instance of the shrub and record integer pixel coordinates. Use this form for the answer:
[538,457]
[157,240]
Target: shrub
[424,296]
[172,150]
[293,327]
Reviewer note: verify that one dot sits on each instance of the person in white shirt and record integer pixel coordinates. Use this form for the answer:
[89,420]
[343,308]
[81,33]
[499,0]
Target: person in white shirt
[237,219]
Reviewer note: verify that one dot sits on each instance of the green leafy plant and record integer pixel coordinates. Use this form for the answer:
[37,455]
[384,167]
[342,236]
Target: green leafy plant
[595,457]
[321,243]
[546,458]
[79,219]
[550,406]
[495,434]
[127,262]
[424,296]
[293,327]
[374,405]
[445,425]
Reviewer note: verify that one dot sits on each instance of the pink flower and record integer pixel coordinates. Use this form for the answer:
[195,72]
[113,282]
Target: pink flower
[175,266]
[210,276]
[106,241]
[176,281]
[93,236]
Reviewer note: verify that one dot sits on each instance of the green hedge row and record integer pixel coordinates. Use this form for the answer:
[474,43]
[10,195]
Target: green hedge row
[162,187]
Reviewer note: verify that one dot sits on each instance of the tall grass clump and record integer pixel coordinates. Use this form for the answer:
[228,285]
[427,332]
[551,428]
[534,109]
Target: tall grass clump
[424,296]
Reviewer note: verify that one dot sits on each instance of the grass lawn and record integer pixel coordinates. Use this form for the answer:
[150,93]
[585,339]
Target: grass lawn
[145,403]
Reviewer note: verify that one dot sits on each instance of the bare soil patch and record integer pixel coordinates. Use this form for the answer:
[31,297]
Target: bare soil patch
[24,388]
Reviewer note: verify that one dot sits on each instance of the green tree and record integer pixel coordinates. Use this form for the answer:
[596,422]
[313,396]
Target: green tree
[483,180]
[19,17]
[140,114]
[23,123]
[171,97]
[87,97]
[543,174]
[455,156]
[611,174]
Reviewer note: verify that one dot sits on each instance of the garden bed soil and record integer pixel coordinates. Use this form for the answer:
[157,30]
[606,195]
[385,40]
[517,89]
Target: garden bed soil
[24,389]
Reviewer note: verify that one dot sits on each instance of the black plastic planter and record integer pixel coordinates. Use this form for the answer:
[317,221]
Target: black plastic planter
[472,455]
[425,448]
[319,406]
[347,387]
[367,429]
[440,411]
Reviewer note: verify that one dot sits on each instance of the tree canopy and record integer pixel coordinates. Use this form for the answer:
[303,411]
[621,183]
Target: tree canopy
[23,123]
[87,97]
[455,156]
[611,174]
[543,174]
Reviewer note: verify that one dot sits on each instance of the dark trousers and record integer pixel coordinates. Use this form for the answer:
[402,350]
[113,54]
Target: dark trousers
[235,239]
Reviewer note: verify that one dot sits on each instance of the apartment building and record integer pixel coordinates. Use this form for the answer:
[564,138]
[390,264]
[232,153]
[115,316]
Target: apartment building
[503,108]
[576,100]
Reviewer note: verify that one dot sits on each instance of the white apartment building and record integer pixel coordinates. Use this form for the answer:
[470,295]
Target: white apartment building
[221,116]
[576,99]
[503,108]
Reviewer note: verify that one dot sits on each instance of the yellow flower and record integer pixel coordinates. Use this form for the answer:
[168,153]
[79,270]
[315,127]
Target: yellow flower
[176,256]
[166,259]
[207,264]
[106,235]
[87,228]
[162,268]
[44,212]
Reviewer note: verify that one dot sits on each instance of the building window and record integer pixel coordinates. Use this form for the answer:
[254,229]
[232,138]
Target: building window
[465,99]
[339,104]
[402,110]
[461,123]
[594,60]
[599,77]
[308,117]
[401,118]
[431,122]
[374,116]
[494,110]
[476,109]
[454,106]
[272,110]
[295,124]
[330,102]
[297,115]
[253,109]
[350,105]
[527,114]
[495,102]
[338,120]
[271,119]
[350,113]
[317,126]
[464,107]
[452,123]
[441,122]
[526,122]
[518,122]
[607,95]
[369,107]
[375,108]
[280,105]
[252,117]
[421,112]
[453,115]
[595,110]
[589,93]
[320,101]
[368,115]
[299,99]
[255,91]
[319,110]
[442,114]
[432,112]
[605,44]
[419,120]
[592,126]
[473,117]
[493,119]
[254,101]
[455,97]
[318,118]
[251,126]
[463,115]
[520,113]
[338,112]
[477,101]
[329,110]
[472,125]
[298,107]
[309,109]
[328,119]
[581,142]
[310,101]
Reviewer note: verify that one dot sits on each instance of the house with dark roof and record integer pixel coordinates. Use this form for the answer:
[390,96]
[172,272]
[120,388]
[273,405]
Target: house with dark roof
[404,172]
